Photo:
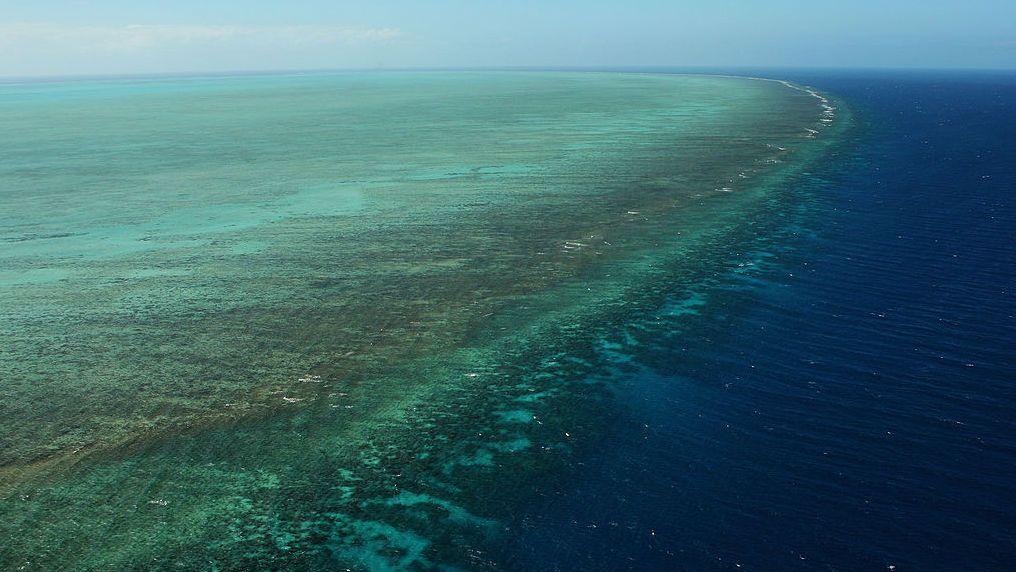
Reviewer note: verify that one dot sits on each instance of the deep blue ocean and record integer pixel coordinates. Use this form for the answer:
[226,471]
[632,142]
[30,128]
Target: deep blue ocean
[853,407]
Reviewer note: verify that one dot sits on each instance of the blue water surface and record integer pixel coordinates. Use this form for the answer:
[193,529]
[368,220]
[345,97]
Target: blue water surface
[852,406]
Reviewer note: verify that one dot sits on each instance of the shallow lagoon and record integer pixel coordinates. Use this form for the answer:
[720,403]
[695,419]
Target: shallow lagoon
[301,321]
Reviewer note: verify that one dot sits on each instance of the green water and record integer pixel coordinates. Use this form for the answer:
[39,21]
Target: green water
[344,320]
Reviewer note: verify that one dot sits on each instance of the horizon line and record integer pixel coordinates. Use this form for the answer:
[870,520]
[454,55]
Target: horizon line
[692,69]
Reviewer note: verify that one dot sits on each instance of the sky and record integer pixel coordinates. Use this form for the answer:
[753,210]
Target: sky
[81,37]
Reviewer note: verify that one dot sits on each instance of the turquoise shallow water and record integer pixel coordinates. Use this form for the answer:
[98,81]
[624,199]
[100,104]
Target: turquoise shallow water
[308,321]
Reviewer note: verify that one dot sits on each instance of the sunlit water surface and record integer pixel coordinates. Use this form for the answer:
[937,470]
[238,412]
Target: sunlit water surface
[499,320]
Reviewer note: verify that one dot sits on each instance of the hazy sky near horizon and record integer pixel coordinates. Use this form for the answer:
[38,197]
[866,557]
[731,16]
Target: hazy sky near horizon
[57,37]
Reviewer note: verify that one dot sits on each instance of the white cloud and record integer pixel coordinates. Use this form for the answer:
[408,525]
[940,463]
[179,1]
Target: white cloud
[148,36]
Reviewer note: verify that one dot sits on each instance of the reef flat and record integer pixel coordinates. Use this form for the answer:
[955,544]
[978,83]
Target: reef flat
[313,321]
